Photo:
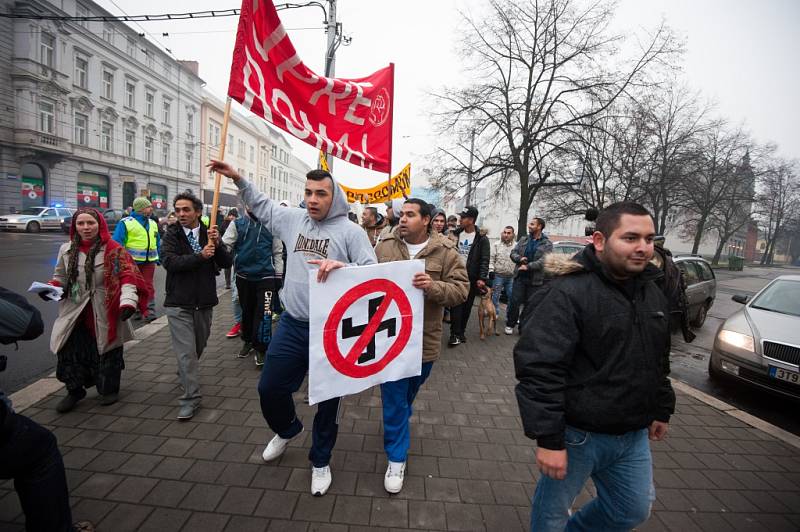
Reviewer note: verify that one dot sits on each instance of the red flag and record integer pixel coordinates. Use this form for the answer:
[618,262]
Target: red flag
[348,118]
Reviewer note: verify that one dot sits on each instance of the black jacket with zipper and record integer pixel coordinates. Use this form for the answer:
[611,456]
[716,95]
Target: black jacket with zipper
[191,279]
[594,354]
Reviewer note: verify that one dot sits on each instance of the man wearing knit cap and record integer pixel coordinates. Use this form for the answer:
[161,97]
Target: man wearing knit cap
[393,209]
[138,234]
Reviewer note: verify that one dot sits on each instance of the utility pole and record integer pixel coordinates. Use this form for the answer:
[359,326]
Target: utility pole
[330,53]
[469,173]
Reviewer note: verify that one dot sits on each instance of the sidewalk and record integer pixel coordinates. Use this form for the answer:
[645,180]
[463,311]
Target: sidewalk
[132,466]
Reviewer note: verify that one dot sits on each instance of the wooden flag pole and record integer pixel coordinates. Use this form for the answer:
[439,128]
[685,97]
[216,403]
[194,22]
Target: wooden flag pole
[221,156]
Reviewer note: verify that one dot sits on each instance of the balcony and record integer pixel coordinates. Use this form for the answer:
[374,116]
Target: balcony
[42,141]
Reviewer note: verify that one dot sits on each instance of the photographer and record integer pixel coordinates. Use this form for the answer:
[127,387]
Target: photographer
[28,452]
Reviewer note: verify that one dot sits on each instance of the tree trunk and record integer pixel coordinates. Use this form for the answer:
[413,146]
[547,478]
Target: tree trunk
[718,252]
[698,235]
[524,205]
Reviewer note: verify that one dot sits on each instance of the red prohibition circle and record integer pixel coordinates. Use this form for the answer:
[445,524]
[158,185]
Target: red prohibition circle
[348,365]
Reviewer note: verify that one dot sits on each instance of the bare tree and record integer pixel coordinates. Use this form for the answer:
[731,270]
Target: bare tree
[734,210]
[675,120]
[777,202]
[539,80]
[611,154]
[712,176]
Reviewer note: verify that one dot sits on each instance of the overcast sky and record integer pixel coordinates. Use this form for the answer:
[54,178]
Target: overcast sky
[741,54]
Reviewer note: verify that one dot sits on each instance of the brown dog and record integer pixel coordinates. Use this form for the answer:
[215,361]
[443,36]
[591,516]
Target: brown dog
[486,311]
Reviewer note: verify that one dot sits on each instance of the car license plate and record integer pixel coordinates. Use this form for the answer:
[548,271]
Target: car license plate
[784,375]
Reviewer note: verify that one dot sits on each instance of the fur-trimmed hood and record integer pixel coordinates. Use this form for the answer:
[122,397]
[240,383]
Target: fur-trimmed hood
[556,265]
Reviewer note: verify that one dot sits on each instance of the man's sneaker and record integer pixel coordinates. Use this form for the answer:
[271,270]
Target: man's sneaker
[320,480]
[393,479]
[245,350]
[462,338]
[454,341]
[259,358]
[275,447]
[235,330]
[509,330]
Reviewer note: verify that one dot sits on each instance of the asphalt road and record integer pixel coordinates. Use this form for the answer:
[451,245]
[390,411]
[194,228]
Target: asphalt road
[25,258]
[690,361]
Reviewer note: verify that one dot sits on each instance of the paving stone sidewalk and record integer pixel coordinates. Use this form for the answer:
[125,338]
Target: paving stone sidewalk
[133,467]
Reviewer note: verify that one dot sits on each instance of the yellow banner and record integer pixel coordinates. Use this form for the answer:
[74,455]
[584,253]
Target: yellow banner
[400,186]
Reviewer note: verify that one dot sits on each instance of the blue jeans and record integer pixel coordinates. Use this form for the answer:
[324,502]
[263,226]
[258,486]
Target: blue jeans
[237,308]
[284,369]
[621,467]
[397,398]
[501,283]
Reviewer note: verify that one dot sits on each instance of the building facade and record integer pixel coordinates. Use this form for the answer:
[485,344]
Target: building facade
[247,149]
[95,114]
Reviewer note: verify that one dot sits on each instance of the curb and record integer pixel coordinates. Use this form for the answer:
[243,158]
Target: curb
[753,421]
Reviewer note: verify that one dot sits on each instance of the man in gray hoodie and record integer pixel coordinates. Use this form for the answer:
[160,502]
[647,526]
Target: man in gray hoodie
[318,238]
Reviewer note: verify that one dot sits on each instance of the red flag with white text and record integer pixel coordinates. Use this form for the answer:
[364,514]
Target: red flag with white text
[349,118]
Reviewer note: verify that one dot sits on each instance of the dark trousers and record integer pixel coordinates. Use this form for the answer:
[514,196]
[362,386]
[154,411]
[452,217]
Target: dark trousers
[284,369]
[255,304]
[459,315]
[522,301]
[31,457]
[228,276]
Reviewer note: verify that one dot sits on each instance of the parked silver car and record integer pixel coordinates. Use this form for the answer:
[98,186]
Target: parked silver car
[760,344]
[567,247]
[35,219]
[701,286]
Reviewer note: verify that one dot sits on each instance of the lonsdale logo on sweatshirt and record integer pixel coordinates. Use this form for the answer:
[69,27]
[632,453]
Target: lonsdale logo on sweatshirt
[312,245]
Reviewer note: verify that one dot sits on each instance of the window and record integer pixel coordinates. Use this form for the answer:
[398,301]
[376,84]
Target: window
[108,85]
[81,71]
[47,117]
[241,148]
[81,122]
[149,103]
[47,46]
[252,154]
[130,95]
[167,107]
[108,34]
[167,70]
[107,137]
[274,151]
[150,59]
[230,142]
[189,124]
[705,271]
[130,142]
[148,149]
[690,272]
[131,47]
[189,157]
[213,134]
[165,154]
[82,11]
[263,156]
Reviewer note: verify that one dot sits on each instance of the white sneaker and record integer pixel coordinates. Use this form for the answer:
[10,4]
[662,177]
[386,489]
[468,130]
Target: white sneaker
[509,330]
[320,480]
[275,447]
[393,480]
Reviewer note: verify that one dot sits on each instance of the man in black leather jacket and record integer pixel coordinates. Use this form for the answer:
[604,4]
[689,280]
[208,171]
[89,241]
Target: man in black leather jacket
[592,365]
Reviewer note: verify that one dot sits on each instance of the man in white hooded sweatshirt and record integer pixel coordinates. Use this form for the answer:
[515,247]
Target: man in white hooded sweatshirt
[322,238]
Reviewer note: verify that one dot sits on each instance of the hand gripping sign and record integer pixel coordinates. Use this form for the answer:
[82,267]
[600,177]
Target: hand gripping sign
[365,328]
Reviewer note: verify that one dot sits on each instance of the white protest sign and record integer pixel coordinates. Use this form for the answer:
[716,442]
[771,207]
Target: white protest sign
[365,328]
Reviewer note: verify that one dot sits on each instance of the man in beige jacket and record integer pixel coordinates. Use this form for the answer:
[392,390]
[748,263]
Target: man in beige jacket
[445,284]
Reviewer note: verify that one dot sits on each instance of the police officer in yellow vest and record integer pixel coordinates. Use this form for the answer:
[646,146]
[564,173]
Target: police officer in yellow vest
[138,233]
